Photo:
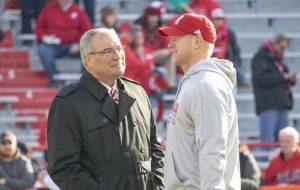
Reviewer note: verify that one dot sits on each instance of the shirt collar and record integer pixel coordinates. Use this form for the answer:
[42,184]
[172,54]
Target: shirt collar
[66,7]
[109,88]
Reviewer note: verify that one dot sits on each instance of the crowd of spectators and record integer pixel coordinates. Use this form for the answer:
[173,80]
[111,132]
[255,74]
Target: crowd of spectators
[147,54]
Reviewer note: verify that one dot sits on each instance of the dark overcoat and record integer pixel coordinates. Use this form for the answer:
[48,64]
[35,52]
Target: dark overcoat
[269,85]
[94,144]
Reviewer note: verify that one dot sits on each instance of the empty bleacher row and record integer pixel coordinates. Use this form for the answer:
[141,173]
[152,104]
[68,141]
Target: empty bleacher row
[24,94]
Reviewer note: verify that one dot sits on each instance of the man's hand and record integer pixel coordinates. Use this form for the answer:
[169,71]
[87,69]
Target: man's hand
[290,77]
[51,39]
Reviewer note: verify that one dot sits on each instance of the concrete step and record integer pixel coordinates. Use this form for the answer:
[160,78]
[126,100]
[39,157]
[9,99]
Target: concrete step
[250,42]
[255,6]
[265,23]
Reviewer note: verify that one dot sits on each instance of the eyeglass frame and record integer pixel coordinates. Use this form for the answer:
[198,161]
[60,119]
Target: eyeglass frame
[109,51]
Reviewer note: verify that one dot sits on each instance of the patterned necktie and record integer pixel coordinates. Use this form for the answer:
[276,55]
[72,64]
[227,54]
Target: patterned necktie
[114,94]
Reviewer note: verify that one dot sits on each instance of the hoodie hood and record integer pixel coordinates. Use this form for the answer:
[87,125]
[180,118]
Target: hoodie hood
[220,66]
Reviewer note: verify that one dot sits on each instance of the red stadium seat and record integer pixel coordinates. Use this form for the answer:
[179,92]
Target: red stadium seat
[33,104]
[21,83]
[21,74]
[31,99]
[14,58]
[12,4]
[8,39]
[31,93]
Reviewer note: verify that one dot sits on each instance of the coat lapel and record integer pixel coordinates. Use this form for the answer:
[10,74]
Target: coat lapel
[100,92]
[125,103]
[110,109]
[125,100]
[93,86]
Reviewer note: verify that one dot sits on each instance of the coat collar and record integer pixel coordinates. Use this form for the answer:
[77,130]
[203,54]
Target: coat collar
[99,91]
[91,84]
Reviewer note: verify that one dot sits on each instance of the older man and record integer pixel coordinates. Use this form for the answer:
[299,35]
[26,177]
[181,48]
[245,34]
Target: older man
[101,132]
[284,168]
[202,141]
[16,171]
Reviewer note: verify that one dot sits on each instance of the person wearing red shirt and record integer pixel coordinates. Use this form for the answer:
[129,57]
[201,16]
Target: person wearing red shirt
[139,59]
[284,168]
[109,17]
[221,44]
[132,62]
[59,28]
[202,7]
[150,21]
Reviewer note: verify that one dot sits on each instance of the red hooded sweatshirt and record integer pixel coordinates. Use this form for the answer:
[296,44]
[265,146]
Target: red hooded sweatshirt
[284,171]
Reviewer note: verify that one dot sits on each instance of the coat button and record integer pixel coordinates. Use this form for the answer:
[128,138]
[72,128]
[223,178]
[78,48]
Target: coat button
[134,123]
[142,150]
[105,120]
[126,154]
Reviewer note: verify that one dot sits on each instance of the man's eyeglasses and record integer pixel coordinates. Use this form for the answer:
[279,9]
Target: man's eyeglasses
[109,51]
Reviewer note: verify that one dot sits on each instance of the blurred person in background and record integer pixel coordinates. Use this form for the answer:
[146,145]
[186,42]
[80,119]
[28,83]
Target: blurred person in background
[59,28]
[109,17]
[226,46]
[140,66]
[250,171]
[284,168]
[16,170]
[89,7]
[221,44]
[30,9]
[133,64]
[202,7]
[26,151]
[272,83]
[150,21]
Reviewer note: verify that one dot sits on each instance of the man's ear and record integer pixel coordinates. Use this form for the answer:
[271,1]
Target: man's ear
[88,61]
[197,41]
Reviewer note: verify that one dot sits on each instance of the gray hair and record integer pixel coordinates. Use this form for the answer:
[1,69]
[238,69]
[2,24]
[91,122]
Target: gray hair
[86,45]
[291,131]
[278,38]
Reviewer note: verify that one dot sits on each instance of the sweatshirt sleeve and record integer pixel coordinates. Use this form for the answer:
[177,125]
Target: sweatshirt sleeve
[209,113]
